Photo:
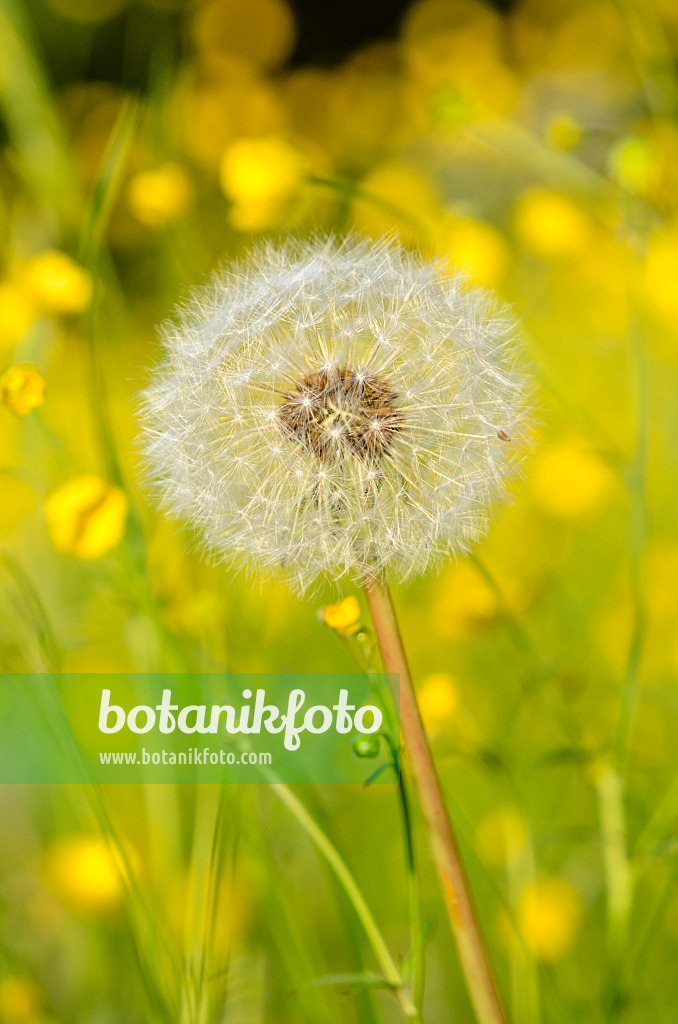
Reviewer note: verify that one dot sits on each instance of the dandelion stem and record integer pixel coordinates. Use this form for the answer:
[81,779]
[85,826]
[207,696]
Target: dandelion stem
[474,962]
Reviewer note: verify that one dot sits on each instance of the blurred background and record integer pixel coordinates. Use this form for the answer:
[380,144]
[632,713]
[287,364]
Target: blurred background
[532,145]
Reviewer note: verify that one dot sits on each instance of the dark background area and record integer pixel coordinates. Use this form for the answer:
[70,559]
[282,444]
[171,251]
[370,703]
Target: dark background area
[120,48]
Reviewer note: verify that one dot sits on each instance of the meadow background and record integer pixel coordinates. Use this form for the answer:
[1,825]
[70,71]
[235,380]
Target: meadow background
[536,149]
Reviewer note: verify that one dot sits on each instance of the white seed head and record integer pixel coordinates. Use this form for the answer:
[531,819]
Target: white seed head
[328,408]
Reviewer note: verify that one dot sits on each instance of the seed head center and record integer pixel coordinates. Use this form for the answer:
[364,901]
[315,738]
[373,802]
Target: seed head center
[341,411]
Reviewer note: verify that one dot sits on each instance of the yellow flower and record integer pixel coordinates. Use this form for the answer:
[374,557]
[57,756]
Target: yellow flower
[501,835]
[83,873]
[570,481]
[21,389]
[19,1000]
[160,195]
[344,617]
[86,517]
[465,603]
[260,30]
[396,197]
[438,699]
[478,248]
[634,165]
[549,914]
[17,312]
[261,176]
[661,273]
[57,284]
[564,132]
[550,224]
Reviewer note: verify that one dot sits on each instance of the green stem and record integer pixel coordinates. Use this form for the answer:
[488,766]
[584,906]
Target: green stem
[350,887]
[392,736]
[413,898]
[474,961]
[610,792]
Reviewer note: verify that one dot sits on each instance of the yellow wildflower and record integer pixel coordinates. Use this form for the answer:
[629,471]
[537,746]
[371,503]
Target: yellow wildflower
[661,273]
[564,132]
[83,873]
[465,602]
[634,165]
[549,914]
[501,835]
[478,248]
[550,224]
[19,1000]
[261,176]
[160,195]
[57,284]
[86,517]
[438,699]
[570,480]
[397,197]
[260,30]
[21,389]
[17,312]
[344,617]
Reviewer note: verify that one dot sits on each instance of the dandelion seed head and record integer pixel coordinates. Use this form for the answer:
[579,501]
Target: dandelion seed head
[332,408]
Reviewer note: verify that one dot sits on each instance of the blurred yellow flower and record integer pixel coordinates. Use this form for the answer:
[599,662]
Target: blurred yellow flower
[83,873]
[464,602]
[549,914]
[261,30]
[661,273]
[17,312]
[160,195]
[21,389]
[226,102]
[479,249]
[56,283]
[438,699]
[19,1000]
[458,48]
[501,835]
[396,197]
[564,132]
[86,517]
[261,175]
[344,617]
[195,613]
[550,224]
[570,480]
[633,163]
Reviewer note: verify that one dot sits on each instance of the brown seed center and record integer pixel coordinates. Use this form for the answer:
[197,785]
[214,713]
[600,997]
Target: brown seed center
[341,411]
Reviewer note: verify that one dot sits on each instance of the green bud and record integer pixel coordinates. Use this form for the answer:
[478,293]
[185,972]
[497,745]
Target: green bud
[366,746]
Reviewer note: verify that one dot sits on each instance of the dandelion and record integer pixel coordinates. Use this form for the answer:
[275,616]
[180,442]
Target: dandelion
[86,517]
[333,409]
[22,389]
